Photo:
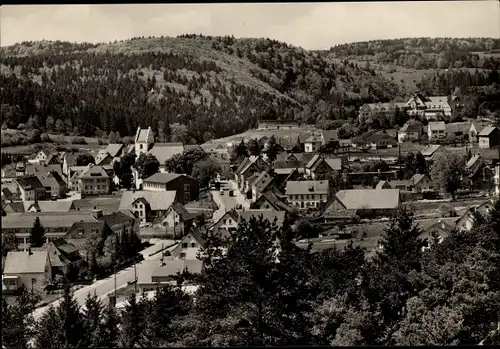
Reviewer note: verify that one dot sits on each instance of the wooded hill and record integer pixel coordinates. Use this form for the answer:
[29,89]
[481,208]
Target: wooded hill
[425,53]
[215,86]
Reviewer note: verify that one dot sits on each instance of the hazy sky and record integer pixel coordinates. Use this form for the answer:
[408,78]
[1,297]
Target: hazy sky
[311,25]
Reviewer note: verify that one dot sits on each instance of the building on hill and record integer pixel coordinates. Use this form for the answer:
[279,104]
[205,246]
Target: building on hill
[372,109]
[148,205]
[489,137]
[466,220]
[29,188]
[260,184]
[432,108]
[94,181]
[278,124]
[436,130]
[68,160]
[54,184]
[307,194]
[479,176]
[187,187]
[27,269]
[411,131]
[223,160]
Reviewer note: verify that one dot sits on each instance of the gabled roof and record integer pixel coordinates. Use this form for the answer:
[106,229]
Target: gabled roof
[479,125]
[70,158]
[62,253]
[266,214]
[411,127]
[334,163]
[113,149]
[417,178]
[485,132]
[158,200]
[306,187]
[262,181]
[437,125]
[164,151]
[330,135]
[94,172]
[383,185]
[101,156]
[355,199]
[181,211]
[143,135]
[54,206]
[431,149]
[45,178]
[115,218]
[52,159]
[273,200]
[163,177]
[17,206]
[315,159]
[20,262]
[29,182]
[314,139]
[38,169]
[473,160]
[231,214]
[106,204]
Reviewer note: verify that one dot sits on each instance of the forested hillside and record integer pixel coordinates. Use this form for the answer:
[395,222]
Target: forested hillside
[208,87]
[425,53]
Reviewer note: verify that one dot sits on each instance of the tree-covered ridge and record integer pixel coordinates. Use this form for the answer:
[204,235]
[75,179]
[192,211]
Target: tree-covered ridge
[424,53]
[215,86]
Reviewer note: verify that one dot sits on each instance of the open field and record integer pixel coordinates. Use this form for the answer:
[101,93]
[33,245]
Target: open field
[30,149]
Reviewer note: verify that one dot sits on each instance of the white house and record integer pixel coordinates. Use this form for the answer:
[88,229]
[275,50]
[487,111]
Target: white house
[436,130]
[307,194]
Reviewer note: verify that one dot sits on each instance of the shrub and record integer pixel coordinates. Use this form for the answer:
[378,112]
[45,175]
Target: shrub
[45,138]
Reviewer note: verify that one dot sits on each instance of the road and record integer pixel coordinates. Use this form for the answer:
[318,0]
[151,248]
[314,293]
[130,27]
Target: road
[105,286]
[226,202]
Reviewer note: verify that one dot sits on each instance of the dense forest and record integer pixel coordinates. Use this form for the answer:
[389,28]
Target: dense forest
[214,86]
[266,291]
[425,53]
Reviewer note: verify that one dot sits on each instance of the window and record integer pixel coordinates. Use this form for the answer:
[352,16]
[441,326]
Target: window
[193,244]
[183,255]
[140,146]
[140,213]
[224,221]
[184,245]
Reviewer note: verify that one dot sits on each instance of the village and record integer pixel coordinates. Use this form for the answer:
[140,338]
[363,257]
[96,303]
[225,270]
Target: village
[142,237]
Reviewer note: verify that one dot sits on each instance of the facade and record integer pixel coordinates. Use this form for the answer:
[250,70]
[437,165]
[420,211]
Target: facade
[409,132]
[30,268]
[228,222]
[307,194]
[177,219]
[54,184]
[475,128]
[436,130]
[431,152]
[260,184]
[432,108]
[489,137]
[29,188]
[187,187]
[313,143]
[322,166]
[144,139]
[42,155]
[189,246]
[64,258]
[148,206]
[247,168]
[94,181]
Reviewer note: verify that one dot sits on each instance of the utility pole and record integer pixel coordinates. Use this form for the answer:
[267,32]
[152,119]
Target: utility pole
[115,285]
[135,278]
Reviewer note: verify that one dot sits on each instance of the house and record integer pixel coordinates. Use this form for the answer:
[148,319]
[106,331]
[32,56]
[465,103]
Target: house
[94,180]
[247,168]
[313,143]
[170,269]
[177,219]
[39,206]
[56,224]
[144,139]
[420,183]
[321,166]
[329,136]
[372,202]
[260,184]
[457,129]
[52,159]
[293,161]
[28,268]
[115,150]
[270,201]
[189,246]
[271,216]
[187,187]
[54,184]
[439,229]
[30,188]
[411,131]
[74,173]
[475,128]
[222,159]
[65,258]
[489,137]
[37,169]
[43,154]
[431,108]
[147,205]
[371,109]
[119,222]
[69,160]
[103,158]
[228,221]
[436,130]
[278,124]
[466,220]
[307,194]
[375,140]
[283,175]
[431,152]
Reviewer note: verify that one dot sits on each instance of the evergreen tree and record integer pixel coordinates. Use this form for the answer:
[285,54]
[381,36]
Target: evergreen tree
[110,332]
[132,320]
[37,234]
[70,319]
[49,331]
[272,149]
[93,323]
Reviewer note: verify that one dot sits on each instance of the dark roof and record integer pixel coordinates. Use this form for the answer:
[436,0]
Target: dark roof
[15,206]
[181,211]
[38,169]
[275,201]
[162,177]
[55,175]
[29,182]
[115,218]
[113,149]
[94,172]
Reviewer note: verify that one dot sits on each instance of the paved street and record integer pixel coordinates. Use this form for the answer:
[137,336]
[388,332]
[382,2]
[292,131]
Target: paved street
[106,286]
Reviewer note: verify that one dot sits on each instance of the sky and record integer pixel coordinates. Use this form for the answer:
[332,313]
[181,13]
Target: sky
[309,25]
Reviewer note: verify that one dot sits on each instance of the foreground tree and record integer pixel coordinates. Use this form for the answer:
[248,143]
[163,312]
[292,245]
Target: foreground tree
[84,160]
